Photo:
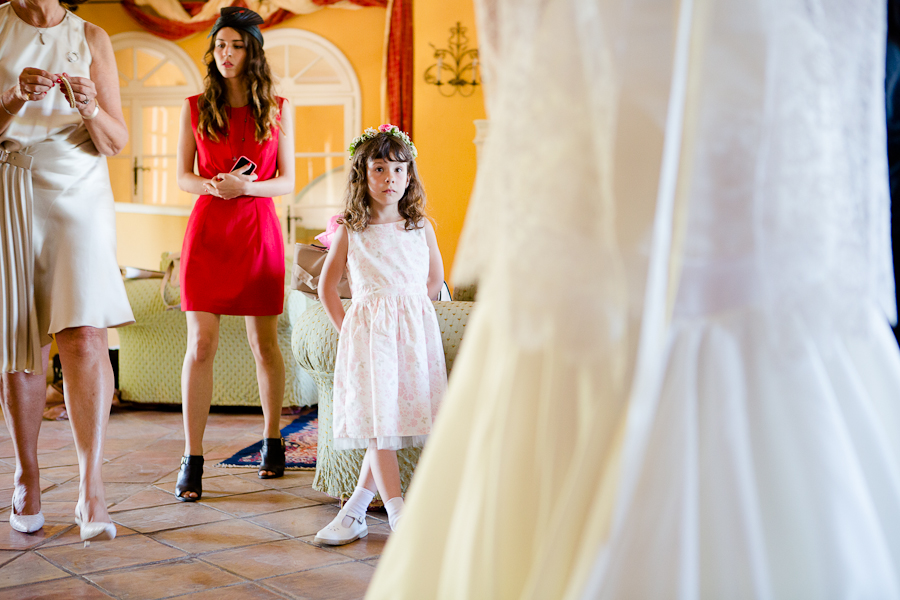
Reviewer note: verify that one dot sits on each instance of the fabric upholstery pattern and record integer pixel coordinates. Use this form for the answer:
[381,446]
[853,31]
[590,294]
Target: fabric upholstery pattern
[314,346]
[151,352]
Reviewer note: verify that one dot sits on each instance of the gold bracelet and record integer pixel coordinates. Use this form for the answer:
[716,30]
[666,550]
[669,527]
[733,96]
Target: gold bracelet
[4,106]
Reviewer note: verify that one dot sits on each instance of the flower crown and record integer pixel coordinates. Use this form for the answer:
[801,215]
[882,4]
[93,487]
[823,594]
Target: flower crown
[387,128]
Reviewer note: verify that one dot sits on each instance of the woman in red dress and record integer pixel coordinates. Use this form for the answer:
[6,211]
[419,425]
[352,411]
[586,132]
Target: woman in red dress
[232,261]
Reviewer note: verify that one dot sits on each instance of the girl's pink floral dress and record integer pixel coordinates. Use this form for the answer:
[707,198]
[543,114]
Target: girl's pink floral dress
[390,375]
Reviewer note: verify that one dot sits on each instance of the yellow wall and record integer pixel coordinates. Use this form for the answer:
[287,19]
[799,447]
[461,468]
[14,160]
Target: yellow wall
[442,128]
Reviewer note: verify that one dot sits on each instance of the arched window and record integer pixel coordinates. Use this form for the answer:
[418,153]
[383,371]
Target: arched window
[155,76]
[321,85]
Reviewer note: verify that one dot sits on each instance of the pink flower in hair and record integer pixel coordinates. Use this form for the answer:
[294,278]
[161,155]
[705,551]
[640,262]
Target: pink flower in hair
[385,128]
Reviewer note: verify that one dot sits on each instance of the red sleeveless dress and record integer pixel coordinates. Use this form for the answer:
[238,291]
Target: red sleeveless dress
[232,260]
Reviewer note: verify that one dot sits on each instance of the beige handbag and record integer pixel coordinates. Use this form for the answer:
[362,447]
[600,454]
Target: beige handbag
[308,262]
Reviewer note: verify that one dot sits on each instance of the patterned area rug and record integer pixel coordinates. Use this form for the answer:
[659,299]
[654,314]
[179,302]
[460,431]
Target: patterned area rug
[300,440]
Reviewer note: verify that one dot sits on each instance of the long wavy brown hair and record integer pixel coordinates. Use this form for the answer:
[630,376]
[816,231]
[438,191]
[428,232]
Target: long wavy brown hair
[257,77]
[356,198]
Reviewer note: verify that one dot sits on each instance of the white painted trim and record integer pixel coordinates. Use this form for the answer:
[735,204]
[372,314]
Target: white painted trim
[136,96]
[140,39]
[346,92]
[153,209]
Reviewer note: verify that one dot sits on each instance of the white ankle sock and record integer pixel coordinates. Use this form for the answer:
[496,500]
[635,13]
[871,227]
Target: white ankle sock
[358,503]
[394,508]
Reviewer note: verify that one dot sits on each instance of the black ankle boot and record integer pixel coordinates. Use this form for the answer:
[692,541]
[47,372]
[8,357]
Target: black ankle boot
[190,478]
[272,458]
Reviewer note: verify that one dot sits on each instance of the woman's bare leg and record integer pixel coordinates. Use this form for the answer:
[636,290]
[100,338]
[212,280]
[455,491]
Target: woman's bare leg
[23,398]
[88,389]
[197,378]
[262,333]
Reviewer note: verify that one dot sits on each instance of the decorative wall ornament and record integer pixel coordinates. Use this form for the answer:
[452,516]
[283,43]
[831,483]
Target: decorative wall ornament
[456,67]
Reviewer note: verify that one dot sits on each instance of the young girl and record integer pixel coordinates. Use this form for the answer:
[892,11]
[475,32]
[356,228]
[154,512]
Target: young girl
[390,374]
[232,261]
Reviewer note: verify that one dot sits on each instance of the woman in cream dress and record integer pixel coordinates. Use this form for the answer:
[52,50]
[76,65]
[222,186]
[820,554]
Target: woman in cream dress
[58,271]
[702,400]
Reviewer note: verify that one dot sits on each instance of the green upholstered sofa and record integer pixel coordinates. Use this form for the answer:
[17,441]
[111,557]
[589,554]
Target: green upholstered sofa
[314,344]
[151,352]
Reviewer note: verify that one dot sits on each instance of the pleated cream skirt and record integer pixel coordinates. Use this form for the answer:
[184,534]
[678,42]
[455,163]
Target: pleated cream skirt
[21,345]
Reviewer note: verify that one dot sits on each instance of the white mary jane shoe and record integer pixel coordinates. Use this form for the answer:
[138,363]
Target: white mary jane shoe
[92,531]
[26,523]
[336,534]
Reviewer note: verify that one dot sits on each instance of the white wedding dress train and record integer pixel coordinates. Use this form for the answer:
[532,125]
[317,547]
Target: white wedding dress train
[704,402]
[763,458]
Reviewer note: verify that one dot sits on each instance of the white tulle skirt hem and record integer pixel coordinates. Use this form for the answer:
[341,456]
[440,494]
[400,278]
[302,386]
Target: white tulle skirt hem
[395,442]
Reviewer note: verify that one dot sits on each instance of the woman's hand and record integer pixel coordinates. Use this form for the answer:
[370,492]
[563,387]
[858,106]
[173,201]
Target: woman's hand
[84,91]
[31,86]
[34,84]
[228,185]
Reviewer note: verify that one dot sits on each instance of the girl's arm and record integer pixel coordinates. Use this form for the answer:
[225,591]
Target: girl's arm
[332,270]
[435,263]
[188,181]
[232,186]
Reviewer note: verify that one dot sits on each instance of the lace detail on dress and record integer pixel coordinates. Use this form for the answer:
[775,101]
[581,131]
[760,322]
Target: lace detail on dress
[785,174]
[782,175]
[541,229]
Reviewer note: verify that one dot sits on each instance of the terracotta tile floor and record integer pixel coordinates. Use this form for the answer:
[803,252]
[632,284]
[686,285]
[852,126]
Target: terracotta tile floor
[249,538]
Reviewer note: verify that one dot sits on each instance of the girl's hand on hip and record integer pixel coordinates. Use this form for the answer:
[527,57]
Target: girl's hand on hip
[229,185]
[84,91]
[34,84]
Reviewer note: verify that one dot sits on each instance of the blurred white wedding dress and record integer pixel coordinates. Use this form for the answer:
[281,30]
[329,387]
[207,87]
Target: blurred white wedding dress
[679,381]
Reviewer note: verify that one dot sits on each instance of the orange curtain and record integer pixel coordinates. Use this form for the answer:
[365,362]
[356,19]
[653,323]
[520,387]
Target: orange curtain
[399,60]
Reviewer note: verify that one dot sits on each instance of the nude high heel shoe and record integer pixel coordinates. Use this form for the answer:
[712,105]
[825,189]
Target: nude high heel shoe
[92,531]
[26,523]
